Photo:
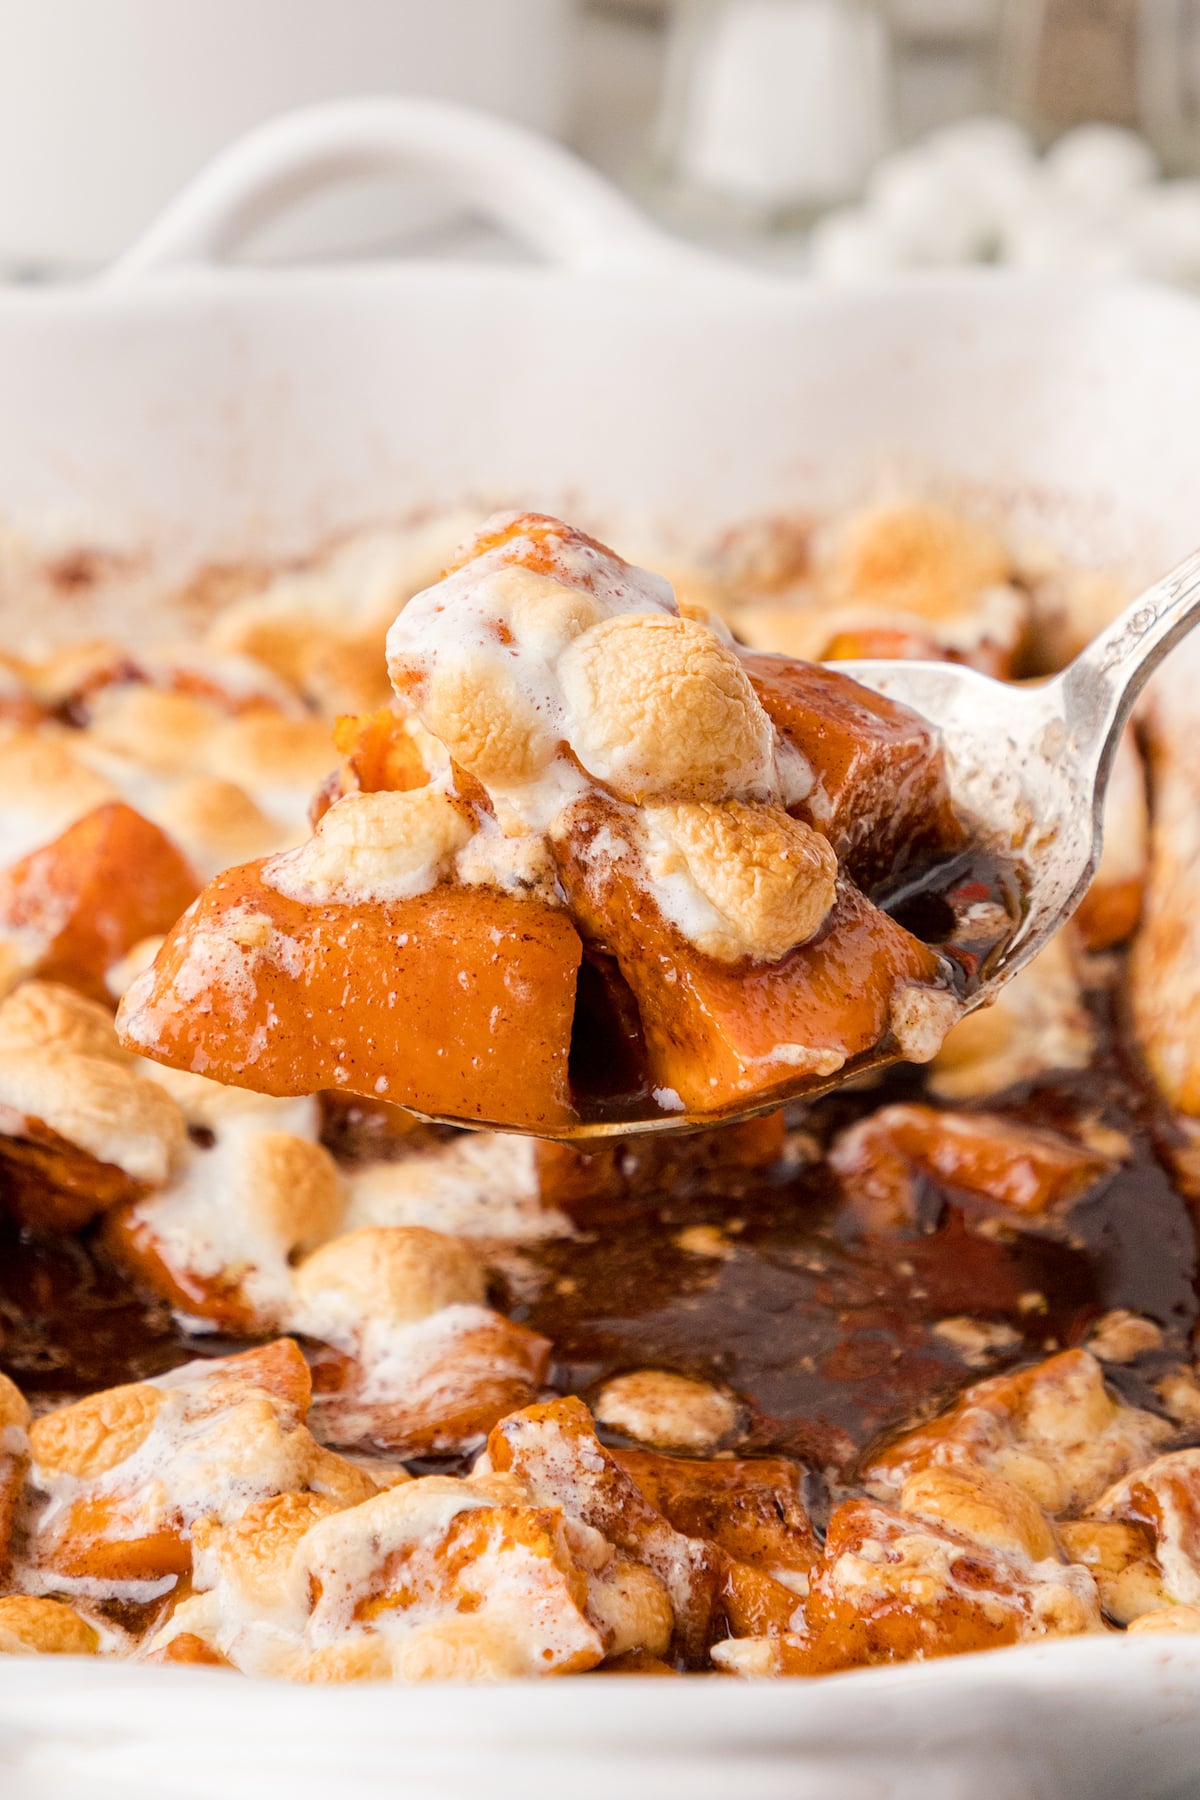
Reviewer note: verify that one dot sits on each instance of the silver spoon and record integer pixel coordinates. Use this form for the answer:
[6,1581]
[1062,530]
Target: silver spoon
[1029,768]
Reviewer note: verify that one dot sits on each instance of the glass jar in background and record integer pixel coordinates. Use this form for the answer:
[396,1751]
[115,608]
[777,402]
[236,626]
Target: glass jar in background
[1134,63]
[772,110]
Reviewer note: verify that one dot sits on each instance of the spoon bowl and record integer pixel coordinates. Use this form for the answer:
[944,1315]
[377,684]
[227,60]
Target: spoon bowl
[1028,770]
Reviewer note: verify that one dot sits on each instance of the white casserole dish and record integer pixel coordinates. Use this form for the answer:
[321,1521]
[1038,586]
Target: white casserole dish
[181,410]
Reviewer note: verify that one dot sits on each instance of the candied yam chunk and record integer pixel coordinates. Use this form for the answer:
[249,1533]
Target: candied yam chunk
[124,1474]
[881,794]
[418,1363]
[753,1511]
[554,1451]
[430,1387]
[1021,1168]
[432,1579]
[80,1132]
[189,1650]
[1164,969]
[457,1001]
[14,1461]
[751,1507]
[381,751]
[1053,1430]
[1164,1497]
[1112,907]
[892,1588]
[1119,1556]
[716,1033]
[34,1627]
[83,901]
[251,1192]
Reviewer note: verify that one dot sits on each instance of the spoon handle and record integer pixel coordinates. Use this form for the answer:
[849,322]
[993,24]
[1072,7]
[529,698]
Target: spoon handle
[1098,691]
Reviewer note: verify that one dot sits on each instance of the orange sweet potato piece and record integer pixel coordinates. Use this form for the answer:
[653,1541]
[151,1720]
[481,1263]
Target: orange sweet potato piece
[893,1589]
[51,1184]
[881,796]
[108,881]
[379,752]
[134,1246]
[718,1033]
[1023,1168]
[636,1662]
[751,1507]
[755,1604]
[188,1649]
[441,1403]
[456,1002]
[1110,912]
[554,1450]
[121,1520]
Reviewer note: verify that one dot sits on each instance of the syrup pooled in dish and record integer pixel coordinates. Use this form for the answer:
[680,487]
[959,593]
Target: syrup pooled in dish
[297,1386]
[605,858]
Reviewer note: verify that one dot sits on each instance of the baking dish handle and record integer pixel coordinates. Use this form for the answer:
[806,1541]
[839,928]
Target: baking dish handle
[546,197]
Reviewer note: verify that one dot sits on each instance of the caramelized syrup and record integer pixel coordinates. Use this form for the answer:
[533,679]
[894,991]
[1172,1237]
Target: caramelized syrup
[824,1330]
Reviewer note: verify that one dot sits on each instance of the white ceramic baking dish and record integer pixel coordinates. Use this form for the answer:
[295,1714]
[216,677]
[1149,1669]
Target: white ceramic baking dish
[182,409]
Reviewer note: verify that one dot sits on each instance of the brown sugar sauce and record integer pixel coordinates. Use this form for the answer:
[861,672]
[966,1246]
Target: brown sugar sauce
[824,1330]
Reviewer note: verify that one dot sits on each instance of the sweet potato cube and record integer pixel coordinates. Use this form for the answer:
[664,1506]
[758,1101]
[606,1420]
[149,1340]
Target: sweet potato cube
[1022,1168]
[88,897]
[456,1002]
[718,1033]
[881,796]
[751,1507]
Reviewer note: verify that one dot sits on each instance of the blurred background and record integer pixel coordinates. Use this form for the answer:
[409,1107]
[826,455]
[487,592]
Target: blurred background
[837,138]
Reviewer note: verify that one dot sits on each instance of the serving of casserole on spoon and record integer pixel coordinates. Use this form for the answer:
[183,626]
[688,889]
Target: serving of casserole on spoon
[599,870]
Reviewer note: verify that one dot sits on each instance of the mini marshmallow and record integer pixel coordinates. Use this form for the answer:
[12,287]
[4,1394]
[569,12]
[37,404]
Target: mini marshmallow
[382,846]
[94,1102]
[769,879]
[668,1411]
[397,1274]
[1098,168]
[659,708]
[911,557]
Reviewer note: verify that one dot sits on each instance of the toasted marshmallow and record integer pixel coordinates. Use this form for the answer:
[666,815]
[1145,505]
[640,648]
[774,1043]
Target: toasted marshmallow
[394,1274]
[94,1102]
[765,881]
[981,1506]
[669,1411]
[217,823]
[40,1015]
[1167,1619]
[914,558]
[383,846]
[46,788]
[540,639]
[657,707]
[159,728]
[239,1208]
[91,1437]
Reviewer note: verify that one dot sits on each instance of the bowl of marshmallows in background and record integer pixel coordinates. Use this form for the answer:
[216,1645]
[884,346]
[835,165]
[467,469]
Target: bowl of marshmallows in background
[979,191]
